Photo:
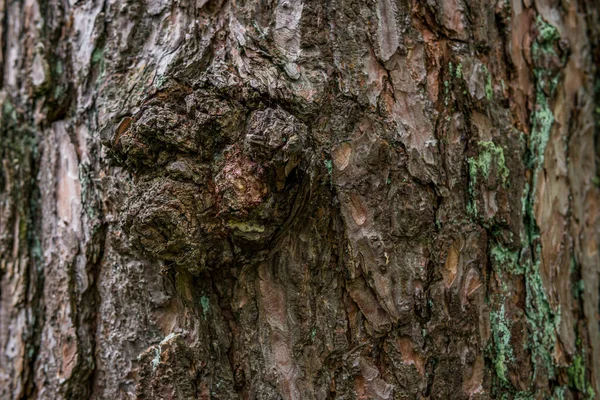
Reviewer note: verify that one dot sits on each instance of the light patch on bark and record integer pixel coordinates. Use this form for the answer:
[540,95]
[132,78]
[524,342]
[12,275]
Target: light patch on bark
[287,33]
[388,31]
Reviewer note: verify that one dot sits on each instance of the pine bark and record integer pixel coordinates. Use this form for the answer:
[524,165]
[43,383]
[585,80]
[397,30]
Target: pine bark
[299,199]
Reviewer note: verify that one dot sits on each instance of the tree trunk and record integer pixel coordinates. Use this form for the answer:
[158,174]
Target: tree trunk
[299,199]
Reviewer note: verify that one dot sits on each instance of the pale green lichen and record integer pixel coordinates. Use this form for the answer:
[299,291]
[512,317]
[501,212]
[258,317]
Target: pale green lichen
[329,166]
[590,393]
[8,111]
[546,81]
[542,121]
[490,156]
[472,201]
[542,319]
[576,373]
[160,81]
[99,60]
[446,91]
[547,36]
[205,303]
[459,71]
[58,91]
[97,55]
[506,259]
[489,89]
[58,68]
[559,393]
[501,336]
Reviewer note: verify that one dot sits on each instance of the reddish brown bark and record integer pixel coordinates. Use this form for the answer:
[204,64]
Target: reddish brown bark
[299,199]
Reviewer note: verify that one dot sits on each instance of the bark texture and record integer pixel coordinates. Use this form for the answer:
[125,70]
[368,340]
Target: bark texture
[299,199]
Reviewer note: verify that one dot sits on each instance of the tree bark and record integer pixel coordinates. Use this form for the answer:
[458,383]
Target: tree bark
[299,199]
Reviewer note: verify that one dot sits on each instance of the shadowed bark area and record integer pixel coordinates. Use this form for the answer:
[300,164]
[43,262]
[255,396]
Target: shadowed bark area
[299,199]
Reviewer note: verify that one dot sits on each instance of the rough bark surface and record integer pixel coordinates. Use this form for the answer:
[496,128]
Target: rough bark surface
[299,199]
